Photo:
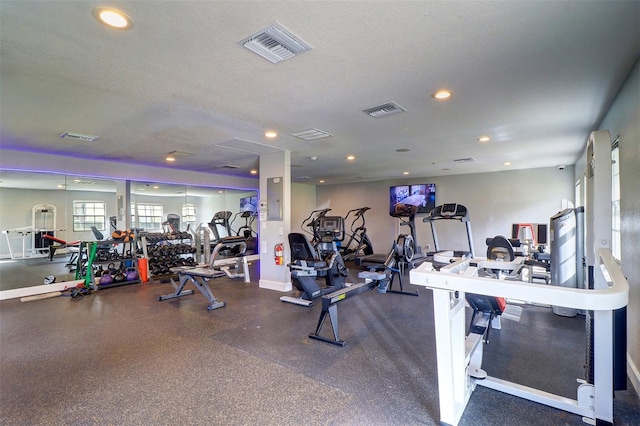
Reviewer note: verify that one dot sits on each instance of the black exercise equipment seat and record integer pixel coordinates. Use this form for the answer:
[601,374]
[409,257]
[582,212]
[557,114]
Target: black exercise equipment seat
[489,306]
[306,266]
[500,248]
[102,244]
[97,234]
[302,250]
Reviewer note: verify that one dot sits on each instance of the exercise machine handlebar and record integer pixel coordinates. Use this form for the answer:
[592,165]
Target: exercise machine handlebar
[459,276]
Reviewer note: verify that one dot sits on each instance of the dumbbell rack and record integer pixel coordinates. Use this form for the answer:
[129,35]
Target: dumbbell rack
[89,257]
[167,250]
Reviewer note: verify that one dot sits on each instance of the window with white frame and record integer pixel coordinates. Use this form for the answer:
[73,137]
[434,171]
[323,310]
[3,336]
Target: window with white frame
[87,214]
[149,216]
[616,248]
[189,214]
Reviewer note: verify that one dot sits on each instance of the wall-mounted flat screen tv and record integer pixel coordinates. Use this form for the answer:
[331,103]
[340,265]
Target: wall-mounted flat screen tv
[249,204]
[407,199]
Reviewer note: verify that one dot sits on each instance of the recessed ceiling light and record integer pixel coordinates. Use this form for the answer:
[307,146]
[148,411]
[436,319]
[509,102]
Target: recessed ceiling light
[484,139]
[405,173]
[254,172]
[351,157]
[113,18]
[442,94]
[270,134]
[507,163]
[171,159]
[321,180]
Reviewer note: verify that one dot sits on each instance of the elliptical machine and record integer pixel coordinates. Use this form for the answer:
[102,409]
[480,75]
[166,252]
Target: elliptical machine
[246,231]
[312,221]
[358,244]
[308,264]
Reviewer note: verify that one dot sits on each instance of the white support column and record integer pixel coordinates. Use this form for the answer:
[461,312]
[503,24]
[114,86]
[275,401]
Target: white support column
[450,356]
[275,218]
[123,203]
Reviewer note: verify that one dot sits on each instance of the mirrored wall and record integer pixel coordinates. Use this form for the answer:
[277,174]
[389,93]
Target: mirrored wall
[42,215]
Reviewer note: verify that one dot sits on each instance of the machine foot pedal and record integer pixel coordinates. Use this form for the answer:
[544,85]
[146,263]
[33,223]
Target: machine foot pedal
[477,373]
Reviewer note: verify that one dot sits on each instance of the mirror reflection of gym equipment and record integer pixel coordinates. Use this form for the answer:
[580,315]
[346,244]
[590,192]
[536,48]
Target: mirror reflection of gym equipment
[51,251]
[31,240]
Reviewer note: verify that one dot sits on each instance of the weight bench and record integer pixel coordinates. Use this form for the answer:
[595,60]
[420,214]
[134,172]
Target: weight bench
[72,248]
[199,277]
[237,262]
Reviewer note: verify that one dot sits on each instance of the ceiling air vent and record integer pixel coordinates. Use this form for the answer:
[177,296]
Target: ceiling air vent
[78,137]
[180,154]
[383,110]
[464,160]
[229,166]
[311,134]
[275,43]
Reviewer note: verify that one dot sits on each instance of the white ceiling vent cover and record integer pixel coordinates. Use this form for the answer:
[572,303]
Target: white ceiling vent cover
[383,110]
[275,43]
[78,137]
[180,154]
[312,134]
[464,160]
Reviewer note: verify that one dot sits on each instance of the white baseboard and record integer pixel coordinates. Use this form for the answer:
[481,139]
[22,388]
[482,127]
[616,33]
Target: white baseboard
[634,374]
[275,285]
[37,289]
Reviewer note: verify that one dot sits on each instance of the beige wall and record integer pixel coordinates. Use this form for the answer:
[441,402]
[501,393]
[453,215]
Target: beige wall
[494,201]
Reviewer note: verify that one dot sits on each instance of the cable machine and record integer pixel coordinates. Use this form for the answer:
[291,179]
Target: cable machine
[459,357]
[43,222]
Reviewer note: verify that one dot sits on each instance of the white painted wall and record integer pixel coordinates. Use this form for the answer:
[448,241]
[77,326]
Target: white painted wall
[494,200]
[303,202]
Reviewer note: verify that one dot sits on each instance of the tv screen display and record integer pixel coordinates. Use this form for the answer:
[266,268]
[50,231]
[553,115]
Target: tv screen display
[426,194]
[405,200]
[249,204]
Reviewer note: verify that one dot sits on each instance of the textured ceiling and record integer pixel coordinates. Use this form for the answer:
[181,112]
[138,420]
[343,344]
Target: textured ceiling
[535,76]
